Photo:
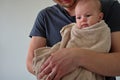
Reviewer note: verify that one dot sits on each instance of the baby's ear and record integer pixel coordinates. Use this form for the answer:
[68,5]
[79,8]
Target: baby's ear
[101,16]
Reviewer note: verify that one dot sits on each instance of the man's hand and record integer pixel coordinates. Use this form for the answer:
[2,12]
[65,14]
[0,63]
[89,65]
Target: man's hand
[59,64]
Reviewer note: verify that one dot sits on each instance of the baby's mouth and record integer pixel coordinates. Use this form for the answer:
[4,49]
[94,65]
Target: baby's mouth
[84,25]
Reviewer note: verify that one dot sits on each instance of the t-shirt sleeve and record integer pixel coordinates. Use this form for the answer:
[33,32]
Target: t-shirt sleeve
[38,27]
[113,19]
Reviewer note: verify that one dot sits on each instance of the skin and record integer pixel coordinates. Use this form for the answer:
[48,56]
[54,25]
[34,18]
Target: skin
[66,60]
[88,13]
[36,42]
[69,5]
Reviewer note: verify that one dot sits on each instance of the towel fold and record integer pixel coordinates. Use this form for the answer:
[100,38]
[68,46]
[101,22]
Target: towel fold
[96,37]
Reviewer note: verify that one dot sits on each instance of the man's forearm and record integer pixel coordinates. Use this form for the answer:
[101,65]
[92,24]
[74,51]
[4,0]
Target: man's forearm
[104,64]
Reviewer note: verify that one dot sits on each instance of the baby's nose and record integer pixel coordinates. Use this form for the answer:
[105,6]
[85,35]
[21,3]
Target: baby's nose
[83,19]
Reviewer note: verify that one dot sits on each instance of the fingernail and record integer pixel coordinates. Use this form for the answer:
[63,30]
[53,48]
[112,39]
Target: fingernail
[40,76]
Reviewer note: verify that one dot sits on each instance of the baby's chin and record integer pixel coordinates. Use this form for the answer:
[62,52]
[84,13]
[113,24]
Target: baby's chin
[83,26]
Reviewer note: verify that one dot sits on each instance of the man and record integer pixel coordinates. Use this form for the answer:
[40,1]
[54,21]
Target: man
[46,33]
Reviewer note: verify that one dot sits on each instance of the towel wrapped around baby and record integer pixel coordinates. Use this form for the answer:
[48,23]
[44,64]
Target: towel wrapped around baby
[96,37]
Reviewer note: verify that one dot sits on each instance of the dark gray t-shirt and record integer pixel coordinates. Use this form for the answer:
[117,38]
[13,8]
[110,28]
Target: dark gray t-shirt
[51,19]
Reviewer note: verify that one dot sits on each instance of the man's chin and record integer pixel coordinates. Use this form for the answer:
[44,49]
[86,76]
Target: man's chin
[67,6]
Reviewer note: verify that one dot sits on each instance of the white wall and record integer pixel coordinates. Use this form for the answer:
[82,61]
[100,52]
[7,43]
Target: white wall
[16,20]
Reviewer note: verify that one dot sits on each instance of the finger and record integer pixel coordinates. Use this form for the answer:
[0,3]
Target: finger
[60,73]
[52,74]
[58,76]
[46,71]
[45,64]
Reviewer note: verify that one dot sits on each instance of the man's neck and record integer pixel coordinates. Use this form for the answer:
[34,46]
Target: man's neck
[70,10]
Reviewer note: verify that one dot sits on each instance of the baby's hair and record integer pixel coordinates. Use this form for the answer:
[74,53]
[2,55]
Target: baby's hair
[96,2]
[99,5]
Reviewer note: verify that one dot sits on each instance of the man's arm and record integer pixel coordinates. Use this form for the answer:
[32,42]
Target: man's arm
[115,41]
[36,42]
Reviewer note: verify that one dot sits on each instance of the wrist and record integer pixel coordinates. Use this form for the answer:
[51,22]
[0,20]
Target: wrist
[78,56]
[82,56]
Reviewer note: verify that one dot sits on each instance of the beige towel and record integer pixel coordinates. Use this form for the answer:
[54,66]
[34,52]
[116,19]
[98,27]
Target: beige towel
[96,37]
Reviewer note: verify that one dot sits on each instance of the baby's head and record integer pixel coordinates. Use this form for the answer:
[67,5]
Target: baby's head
[88,12]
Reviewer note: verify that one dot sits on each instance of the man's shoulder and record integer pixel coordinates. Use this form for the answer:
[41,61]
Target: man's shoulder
[108,6]
[106,3]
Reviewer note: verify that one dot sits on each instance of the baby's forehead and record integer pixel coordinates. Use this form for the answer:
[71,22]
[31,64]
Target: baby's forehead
[89,4]
[87,11]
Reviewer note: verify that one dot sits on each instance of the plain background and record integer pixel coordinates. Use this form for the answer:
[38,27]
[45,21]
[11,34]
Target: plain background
[16,21]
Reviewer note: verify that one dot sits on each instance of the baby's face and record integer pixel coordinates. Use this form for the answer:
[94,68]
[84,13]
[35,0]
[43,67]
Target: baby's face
[87,15]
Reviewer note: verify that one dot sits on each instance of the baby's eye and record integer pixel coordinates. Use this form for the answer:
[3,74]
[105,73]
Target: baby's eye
[87,15]
[79,17]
